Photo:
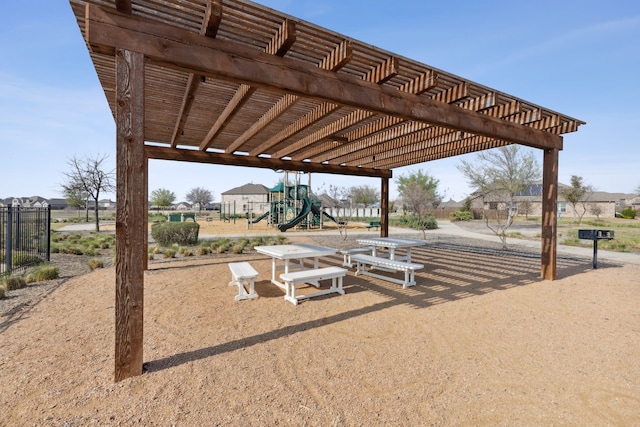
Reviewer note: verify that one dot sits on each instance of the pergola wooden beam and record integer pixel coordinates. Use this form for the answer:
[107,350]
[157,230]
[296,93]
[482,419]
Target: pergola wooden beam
[124,6]
[417,86]
[279,45]
[333,62]
[210,26]
[196,156]
[131,214]
[549,214]
[380,74]
[181,49]
[337,59]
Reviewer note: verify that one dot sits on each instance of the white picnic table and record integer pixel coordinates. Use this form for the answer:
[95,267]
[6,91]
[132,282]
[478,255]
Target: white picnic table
[388,261]
[391,243]
[292,258]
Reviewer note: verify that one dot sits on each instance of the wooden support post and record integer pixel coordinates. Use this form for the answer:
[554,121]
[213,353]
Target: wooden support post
[549,214]
[384,208]
[131,217]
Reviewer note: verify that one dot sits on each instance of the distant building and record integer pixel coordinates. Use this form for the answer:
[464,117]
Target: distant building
[529,202]
[33,202]
[182,206]
[248,197]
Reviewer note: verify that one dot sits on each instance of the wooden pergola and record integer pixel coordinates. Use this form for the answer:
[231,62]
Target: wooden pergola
[232,82]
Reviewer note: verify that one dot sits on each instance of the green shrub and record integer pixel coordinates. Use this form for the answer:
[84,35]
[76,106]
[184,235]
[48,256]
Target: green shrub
[223,248]
[461,216]
[46,272]
[95,263]
[169,253]
[12,283]
[182,233]
[2,292]
[203,250]
[425,222]
[628,213]
[237,249]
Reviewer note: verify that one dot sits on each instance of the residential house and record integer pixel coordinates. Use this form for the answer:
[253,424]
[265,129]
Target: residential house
[529,202]
[33,202]
[248,197]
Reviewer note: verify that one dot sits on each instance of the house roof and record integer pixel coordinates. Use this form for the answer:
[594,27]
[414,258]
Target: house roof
[233,82]
[247,189]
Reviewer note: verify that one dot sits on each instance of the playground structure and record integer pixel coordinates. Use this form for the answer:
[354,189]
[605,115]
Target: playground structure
[293,205]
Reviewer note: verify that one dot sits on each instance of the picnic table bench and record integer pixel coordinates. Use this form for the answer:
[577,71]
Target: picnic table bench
[373,224]
[312,277]
[385,264]
[242,273]
[348,252]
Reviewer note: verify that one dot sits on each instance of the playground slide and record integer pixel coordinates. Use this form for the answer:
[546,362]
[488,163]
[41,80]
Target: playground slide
[317,211]
[260,218]
[306,208]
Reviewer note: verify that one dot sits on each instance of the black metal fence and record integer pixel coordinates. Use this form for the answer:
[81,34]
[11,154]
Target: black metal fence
[24,238]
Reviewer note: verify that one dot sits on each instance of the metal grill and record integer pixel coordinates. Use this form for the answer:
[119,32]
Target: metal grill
[595,235]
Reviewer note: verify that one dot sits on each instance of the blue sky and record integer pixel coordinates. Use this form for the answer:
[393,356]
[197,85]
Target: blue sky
[580,58]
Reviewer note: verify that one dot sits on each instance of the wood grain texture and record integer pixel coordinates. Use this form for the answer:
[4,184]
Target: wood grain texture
[131,215]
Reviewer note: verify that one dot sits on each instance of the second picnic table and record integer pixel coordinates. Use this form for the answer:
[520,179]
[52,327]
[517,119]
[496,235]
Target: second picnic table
[391,243]
[296,253]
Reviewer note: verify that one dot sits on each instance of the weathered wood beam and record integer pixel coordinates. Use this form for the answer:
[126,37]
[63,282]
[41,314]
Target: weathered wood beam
[549,215]
[407,143]
[131,216]
[212,19]
[443,152]
[384,207]
[504,110]
[403,133]
[327,131]
[380,74]
[209,28]
[360,140]
[308,119]
[434,140]
[422,83]
[180,49]
[453,94]
[337,59]
[326,148]
[193,82]
[279,45]
[124,6]
[242,95]
[196,156]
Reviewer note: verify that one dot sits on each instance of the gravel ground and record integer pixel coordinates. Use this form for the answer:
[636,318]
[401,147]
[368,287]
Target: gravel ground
[480,340]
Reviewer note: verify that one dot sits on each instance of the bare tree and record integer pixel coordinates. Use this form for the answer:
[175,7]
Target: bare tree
[200,196]
[500,175]
[87,175]
[575,194]
[595,209]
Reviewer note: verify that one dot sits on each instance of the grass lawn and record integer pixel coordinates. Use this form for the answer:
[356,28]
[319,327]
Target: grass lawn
[626,231]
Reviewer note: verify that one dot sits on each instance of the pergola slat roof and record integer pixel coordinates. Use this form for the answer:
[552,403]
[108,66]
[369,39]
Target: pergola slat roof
[219,114]
[231,82]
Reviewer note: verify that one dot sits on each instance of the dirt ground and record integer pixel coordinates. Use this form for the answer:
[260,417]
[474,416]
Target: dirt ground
[480,340]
